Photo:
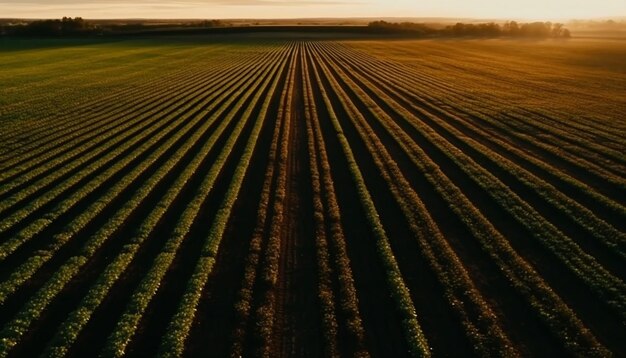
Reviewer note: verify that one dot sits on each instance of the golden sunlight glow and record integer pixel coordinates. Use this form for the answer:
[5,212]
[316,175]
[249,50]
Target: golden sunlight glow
[484,9]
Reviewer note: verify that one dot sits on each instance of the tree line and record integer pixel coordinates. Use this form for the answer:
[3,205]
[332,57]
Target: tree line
[77,26]
[56,27]
[490,29]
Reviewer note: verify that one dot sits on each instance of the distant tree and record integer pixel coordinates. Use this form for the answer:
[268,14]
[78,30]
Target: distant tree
[490,29]
[403,27]
[558,30]
[536,29]
[511,28]
[211,23]
[70,25]
[64,26]
[459,29]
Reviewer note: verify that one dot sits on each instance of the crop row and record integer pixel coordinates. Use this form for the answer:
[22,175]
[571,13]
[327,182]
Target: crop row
[34,307]
[138,100]
[79,318]
[115,99]
[243,304]
[477,235]
[459,289]
[94,129]
[264,313]
[202,104]
[438,182]
[142,296]
[414,335]
[456,94]
[457,100]
[330,239]
[604,233]
[173,343]
[587,220]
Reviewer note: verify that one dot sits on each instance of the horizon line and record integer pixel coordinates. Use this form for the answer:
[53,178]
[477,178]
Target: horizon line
[597,18]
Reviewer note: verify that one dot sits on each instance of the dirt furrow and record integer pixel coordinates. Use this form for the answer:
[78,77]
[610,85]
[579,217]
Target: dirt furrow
[297,330]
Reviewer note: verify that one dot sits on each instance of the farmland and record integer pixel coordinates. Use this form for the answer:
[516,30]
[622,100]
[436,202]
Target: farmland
[258,196]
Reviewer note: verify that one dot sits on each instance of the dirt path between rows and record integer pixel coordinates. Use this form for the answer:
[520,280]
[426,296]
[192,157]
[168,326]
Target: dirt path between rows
[297,327]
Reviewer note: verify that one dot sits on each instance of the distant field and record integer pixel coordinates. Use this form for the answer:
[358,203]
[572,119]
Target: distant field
[227,196]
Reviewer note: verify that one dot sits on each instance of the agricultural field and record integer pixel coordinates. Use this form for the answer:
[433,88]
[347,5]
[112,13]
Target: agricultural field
[257,196]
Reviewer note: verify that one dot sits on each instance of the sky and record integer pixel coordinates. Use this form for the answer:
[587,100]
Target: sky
[237,9]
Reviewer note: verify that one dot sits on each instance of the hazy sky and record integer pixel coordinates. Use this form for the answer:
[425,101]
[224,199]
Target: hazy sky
[510,9]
